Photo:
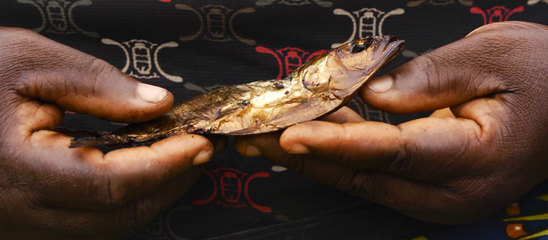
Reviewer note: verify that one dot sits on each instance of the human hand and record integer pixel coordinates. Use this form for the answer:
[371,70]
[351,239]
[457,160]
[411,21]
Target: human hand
[455,166]
[51,191]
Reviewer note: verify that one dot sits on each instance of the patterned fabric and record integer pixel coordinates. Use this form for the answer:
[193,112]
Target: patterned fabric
[194,46]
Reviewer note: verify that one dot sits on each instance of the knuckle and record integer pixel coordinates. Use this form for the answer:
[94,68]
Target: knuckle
[343,154]
[99,73]
[138,215]
[23,46]
[348,181]
[106,193]
[12,35]
[342,157]
[368,184]
[15,43]
[295,163]
[438,66]
[361,183]
[401,162]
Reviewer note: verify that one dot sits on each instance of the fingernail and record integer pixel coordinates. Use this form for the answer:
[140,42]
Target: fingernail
[202,157]
[151,93]
[298,148]
[381,84]
[252,151]
[221,144]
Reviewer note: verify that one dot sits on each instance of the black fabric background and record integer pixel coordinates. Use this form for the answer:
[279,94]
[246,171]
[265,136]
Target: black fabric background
[300,208]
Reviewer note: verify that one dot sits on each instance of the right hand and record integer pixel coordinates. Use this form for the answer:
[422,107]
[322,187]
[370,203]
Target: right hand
[460,165]
[51,191]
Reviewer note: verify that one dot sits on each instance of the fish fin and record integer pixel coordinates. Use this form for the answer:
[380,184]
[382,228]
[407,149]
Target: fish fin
[305,111]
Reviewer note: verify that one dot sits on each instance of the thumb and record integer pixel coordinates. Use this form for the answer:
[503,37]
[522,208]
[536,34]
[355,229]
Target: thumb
[73,80]
[493,59]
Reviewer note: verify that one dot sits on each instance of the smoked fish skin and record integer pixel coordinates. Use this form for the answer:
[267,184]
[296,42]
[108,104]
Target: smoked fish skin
[318,87]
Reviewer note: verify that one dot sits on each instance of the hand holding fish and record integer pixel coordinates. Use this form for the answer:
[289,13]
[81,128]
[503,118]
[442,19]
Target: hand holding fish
[50,191]
[462,163]
[318,87]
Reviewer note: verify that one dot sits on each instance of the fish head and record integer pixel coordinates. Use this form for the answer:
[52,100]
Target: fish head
[343,70]
[367,54]
[360,60]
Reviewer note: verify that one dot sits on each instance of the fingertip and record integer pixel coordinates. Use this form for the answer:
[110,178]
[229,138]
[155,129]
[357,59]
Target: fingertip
[343,115]
[383,92]
[425,83]
[245,147]
[297,148]
[202,157]
[240,144]
[113,95]
[219,141]
[150,102]
[294,139]
[265,145]
[151,93]
[287,139]
[381,84]
[251,151]
[190,148]
[443,113]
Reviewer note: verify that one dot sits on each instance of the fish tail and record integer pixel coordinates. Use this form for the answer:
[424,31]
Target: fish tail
[76,132]
[107,139]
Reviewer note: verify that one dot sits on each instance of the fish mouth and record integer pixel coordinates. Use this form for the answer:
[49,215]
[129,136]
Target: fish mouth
[389,47]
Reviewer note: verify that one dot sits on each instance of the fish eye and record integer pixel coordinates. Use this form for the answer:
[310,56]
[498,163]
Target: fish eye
[357,48]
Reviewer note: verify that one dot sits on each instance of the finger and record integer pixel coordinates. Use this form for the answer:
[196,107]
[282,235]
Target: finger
[416,198]
[246,146]
[97,180]
[469,68]
[442,113]
[426,149]
[219,141]
[79,82]
[350,144]
[110,224]
[268,146]
[100,181]
[242,145]
[343,115]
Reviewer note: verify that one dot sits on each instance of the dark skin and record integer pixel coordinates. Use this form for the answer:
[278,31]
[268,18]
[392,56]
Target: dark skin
[459,165]
[484,150]
[50,191]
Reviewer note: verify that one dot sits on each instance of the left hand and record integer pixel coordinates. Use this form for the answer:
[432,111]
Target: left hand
[444,169]
[51,191]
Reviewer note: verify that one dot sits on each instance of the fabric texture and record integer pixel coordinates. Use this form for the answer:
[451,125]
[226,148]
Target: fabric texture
[193,46]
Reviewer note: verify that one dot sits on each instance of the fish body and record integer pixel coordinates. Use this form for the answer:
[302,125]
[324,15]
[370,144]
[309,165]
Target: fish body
[318,87]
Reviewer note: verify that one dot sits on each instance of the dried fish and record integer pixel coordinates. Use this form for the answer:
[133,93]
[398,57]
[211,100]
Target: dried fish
[318,87]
